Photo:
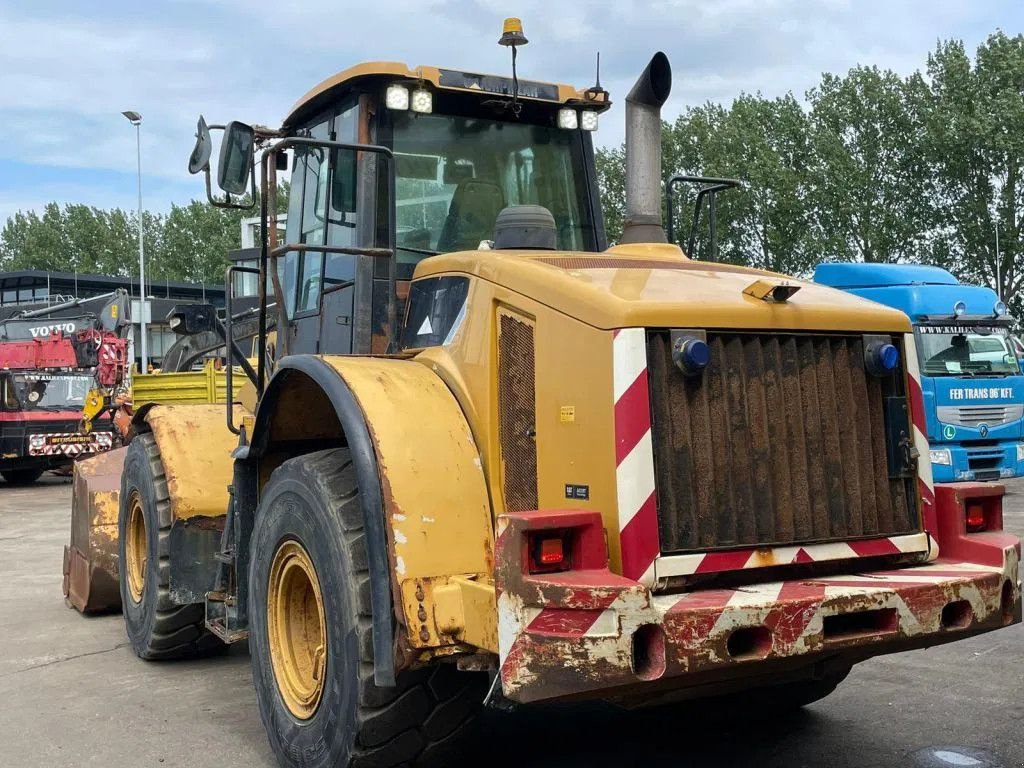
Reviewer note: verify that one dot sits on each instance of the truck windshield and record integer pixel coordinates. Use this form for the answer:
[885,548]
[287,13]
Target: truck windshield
[962,351]
[43,392]
[454,174]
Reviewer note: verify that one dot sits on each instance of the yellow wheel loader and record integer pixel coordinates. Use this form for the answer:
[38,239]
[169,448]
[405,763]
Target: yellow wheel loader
[492,460]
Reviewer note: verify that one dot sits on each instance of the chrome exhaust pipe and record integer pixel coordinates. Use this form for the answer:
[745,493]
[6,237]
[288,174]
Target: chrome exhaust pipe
[643,153]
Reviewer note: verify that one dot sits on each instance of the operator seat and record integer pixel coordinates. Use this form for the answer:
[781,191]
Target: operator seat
[471,215]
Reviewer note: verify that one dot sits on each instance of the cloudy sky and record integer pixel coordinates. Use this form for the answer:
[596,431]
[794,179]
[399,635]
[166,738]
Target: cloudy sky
[69,67]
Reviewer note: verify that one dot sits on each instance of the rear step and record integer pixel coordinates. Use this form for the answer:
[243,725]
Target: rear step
[222,617]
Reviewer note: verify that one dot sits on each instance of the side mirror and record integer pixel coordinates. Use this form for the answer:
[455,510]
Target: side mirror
[190,319]
[236,156]
[199,160]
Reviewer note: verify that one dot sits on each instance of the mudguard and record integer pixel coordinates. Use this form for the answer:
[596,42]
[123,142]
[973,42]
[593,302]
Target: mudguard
[195,449]
[426,508]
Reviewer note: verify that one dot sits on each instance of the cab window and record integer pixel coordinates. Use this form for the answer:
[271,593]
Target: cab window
[321,211]
[454,175]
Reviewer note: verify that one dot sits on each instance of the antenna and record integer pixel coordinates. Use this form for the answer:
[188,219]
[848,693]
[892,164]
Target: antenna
[596,92]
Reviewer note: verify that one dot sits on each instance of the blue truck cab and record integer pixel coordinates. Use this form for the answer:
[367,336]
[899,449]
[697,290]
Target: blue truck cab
[970,375]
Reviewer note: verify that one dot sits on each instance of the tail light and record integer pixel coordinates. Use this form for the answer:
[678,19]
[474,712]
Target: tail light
[975,512]
[550,550]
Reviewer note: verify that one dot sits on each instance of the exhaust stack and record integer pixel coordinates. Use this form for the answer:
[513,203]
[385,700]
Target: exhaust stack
[643,153]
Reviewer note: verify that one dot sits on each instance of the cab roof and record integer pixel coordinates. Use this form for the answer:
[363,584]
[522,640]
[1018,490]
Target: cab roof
[881,275]
[334,87]
[918,290]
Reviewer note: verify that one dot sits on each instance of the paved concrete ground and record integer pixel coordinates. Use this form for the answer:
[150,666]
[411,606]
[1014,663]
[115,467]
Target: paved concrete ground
[72,694]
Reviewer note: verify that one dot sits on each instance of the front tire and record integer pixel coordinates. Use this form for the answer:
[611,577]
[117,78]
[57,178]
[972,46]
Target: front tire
[22,477]
[157,627]
[311,635]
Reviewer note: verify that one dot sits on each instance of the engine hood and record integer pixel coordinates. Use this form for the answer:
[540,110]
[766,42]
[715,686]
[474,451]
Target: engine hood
[652,285]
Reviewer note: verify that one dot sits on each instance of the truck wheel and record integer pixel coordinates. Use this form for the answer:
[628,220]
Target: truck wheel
[158,627]
[25,476]
[310,635]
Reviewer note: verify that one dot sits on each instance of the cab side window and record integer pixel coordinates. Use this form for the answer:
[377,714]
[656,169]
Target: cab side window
[317,216]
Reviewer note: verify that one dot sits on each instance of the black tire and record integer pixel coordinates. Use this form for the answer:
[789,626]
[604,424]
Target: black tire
[21,477]
[314,500]
[157,627]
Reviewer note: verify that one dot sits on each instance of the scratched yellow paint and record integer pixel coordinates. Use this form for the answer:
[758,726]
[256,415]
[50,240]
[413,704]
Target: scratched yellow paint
[435,497]
[195,448]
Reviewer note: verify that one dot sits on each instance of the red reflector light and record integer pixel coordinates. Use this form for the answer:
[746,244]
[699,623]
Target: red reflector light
[975,517]
[549,552]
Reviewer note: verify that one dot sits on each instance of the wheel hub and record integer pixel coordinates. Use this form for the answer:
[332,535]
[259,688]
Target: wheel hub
[295,628]
[136,548]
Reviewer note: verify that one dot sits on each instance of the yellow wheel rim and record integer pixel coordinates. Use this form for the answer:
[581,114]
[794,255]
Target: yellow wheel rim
[136,547]
[295,629]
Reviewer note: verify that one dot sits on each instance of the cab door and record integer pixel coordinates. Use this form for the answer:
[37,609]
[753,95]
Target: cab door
[318,287]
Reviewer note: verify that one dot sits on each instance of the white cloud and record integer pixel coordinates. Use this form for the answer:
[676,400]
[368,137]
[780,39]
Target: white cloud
[68,68]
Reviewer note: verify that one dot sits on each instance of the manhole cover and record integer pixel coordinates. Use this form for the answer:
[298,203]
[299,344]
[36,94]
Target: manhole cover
[954,757]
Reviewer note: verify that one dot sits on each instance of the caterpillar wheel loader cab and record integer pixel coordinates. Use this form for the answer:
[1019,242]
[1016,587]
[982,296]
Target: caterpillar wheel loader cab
[570,471]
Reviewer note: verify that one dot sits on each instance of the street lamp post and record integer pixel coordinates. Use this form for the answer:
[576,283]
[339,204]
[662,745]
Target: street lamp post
[999,277]
[136,119]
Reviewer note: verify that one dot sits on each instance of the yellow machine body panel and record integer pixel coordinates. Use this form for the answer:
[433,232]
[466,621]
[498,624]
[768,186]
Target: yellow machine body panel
[440,78]
[195,448]
[572,427]
[569,307]
[656,286]
[206,386]
[435,499]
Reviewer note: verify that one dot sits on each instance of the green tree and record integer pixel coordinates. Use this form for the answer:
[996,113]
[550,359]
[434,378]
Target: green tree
[611,182]
[977,148]
[871,198]
[189,243]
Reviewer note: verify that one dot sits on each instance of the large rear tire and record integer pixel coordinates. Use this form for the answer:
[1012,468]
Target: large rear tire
[22,477]
[311,637]
[157,627]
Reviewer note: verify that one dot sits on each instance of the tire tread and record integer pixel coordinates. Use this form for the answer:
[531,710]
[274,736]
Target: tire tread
[429,707]
[179,631]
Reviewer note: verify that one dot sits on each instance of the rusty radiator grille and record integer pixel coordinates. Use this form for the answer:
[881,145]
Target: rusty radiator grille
[516,406]
[781,440]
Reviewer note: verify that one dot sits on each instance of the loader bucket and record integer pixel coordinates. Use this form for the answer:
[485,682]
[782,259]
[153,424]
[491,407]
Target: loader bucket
[90,560]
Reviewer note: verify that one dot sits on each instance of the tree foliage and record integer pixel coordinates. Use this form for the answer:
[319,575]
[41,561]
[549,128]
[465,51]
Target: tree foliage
[188,243]
[871,166]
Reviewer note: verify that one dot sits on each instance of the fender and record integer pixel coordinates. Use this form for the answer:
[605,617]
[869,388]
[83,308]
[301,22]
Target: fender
[426,509]
[195,450]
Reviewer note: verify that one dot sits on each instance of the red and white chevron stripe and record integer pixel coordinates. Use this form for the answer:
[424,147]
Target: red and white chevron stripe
[738,559]
[634,456]
[925,482]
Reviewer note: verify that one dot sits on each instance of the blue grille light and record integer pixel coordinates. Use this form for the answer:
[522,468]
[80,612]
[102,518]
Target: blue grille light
[882,359]
[691,355]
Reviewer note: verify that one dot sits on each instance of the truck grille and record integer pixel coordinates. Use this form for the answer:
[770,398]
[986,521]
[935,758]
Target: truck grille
[976,415]
[781,440]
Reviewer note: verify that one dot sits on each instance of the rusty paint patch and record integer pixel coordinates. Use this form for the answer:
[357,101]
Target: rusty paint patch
[558,638]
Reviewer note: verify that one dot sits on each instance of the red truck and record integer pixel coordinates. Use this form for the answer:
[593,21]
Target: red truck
[50,366]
